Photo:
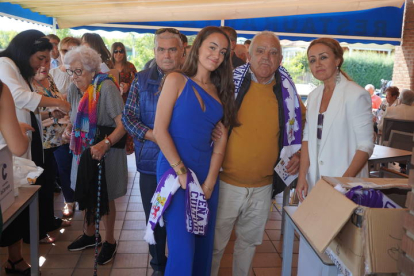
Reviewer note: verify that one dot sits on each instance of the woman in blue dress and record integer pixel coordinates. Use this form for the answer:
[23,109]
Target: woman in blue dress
[191,105]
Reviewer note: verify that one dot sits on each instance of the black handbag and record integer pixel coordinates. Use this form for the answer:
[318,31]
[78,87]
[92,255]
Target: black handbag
[104,131]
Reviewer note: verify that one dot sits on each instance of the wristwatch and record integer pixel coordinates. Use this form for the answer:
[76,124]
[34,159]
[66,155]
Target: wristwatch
[182,170]
[107,142]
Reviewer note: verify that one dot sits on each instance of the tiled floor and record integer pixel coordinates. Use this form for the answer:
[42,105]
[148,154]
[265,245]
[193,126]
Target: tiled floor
[132,257]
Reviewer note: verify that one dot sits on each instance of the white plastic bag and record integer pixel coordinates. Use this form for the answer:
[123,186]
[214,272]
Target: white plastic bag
[25,171]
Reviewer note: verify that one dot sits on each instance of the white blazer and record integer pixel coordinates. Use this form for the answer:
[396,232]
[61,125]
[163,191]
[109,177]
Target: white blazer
[24,99]
[347,127]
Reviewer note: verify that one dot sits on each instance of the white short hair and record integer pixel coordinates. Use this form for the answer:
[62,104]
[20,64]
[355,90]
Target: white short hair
[369,87]
[89,58]
[407,97]
[264,33]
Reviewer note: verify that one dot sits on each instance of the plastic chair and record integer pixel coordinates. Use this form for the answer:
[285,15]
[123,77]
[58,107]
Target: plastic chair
[395,124]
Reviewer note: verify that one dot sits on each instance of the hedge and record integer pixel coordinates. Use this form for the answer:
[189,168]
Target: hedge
[362,67]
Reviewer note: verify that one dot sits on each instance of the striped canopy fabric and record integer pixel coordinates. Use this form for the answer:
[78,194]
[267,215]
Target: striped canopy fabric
[378,21]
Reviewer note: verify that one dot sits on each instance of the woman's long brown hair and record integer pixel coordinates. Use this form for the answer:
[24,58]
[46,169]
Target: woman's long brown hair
[222,77]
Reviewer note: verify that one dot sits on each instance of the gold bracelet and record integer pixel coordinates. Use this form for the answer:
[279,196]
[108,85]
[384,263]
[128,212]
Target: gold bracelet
[176,164]
[208,188]
[182,170]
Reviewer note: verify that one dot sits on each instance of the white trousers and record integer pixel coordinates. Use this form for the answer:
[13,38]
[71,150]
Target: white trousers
[248,209]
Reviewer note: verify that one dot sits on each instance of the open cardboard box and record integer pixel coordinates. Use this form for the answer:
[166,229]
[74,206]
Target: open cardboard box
[360,240]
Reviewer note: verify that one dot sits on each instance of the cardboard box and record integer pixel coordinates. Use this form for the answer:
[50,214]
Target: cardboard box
[6,178]
[360,240]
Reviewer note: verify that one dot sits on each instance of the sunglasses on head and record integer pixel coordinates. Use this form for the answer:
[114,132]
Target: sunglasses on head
[170,30]
[119,51]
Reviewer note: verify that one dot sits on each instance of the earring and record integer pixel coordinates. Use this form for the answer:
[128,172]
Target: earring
[338,75]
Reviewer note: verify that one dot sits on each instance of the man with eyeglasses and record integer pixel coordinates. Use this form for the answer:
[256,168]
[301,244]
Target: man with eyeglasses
[138,118]
[184,41]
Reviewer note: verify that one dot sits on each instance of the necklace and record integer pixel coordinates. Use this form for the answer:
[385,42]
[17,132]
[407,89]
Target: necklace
[48,92]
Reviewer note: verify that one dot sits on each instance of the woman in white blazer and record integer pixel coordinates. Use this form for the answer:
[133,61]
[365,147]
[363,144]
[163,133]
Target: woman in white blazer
[338,135]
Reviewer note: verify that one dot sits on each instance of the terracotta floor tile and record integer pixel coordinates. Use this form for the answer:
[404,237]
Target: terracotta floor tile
[44,249]
[229,248]
[227,260]
[265,247]
[135,199]
[129,272]
[61,261]
[88,261]
[268,271]
[275,216]
[225,271]
[131,247]
[132,257]
[130,261]
[132,235]
[274,224]
[278,245]
[57,271]
[135,207]
[61,247]
[233,236]
[135,216]
[89,271]
[267,260]
[134,225]
[69,235]
[295,259]
[274,235]
[76,225]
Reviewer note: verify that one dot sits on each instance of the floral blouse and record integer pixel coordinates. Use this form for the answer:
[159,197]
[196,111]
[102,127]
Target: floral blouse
[52,135]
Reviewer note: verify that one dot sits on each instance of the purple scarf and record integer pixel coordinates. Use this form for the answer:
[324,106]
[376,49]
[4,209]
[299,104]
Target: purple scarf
[292,136]
[197,212]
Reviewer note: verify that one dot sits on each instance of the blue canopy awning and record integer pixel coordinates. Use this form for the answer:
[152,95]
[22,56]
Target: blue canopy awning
[16,11]
[378,25]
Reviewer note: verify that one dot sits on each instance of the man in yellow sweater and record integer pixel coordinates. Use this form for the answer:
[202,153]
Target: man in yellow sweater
[271,116]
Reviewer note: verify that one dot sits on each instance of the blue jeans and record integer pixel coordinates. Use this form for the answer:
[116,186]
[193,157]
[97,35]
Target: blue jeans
[64,162]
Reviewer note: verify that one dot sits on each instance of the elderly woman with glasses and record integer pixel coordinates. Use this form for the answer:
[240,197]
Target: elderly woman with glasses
[99,166]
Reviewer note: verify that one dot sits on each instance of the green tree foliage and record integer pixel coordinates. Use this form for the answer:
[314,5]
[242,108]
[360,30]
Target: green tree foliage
[363,67]
[62,33]
[6,37]
[368,67]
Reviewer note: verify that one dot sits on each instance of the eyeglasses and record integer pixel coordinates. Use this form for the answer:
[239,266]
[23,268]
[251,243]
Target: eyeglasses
[170,30]
[77,72]
[119,51]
